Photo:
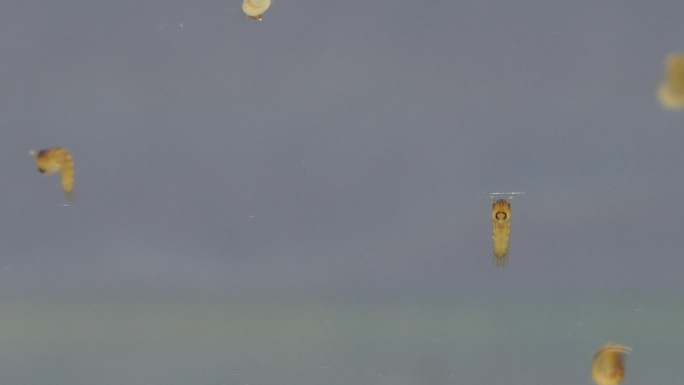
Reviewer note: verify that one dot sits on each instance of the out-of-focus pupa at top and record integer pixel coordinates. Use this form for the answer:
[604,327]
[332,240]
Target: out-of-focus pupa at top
[255,8]
[53,160]
[607,366]
[671,88]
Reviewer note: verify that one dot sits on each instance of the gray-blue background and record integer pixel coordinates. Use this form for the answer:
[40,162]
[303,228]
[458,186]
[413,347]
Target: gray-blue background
[305,200]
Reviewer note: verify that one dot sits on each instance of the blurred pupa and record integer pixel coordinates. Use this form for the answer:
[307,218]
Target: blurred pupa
[671,88]
[255,8]
[501,229]
[53,160]
[607,366]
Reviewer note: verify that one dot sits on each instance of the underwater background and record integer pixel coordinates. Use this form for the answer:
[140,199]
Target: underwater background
[306,199]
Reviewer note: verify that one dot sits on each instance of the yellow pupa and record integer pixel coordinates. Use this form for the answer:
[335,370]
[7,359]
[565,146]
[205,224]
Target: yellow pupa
[501,229]
[255,8]
[607,366]
[53,160]
[671,88]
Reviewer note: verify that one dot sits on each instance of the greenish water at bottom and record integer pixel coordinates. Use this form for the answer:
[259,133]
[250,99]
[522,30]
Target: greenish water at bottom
[345,342]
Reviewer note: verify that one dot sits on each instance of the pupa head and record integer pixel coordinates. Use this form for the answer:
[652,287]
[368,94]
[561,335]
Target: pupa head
[501,209]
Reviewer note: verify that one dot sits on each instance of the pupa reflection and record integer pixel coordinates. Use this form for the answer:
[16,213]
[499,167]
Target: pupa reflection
[671,88]
[255,8]
[53,160]
[501,229]
[607,366]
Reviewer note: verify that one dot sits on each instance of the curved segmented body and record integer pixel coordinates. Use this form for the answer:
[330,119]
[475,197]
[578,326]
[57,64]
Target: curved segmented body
[501,229]
[53,160]
[671,88]
[607,366]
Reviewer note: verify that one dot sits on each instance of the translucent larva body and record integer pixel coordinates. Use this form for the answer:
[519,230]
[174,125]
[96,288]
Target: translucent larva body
[255,8]
[53,160]
[671,88]
[501,229]
[607,366]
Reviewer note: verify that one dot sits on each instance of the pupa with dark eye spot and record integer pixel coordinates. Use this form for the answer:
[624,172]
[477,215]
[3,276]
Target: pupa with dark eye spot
[53,160]
[255,8]
[501,229]
[608,366]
